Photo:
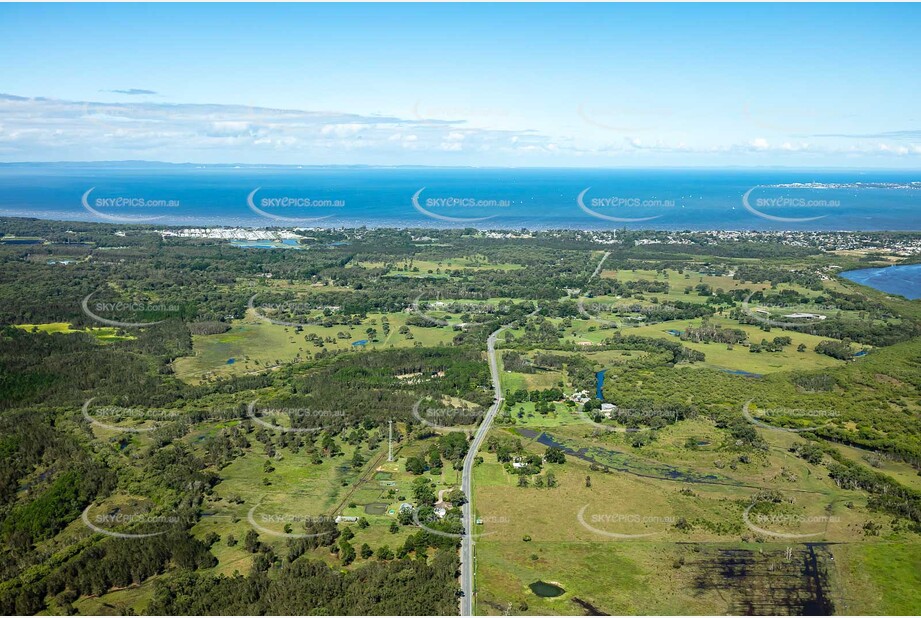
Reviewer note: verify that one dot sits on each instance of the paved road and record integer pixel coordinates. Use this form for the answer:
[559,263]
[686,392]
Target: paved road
[581,304]
[467,542]
[468,564]
[600,264]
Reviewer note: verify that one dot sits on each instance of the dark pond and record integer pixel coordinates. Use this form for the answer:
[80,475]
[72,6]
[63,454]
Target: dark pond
[376,508]
[543,589]
[739,372]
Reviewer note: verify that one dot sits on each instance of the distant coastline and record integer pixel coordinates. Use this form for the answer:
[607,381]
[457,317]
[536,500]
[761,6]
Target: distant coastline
[895,244]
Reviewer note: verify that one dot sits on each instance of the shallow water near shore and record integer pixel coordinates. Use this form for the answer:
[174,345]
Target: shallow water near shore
[904,280]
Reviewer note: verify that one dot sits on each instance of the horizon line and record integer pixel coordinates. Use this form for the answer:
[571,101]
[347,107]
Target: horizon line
[149,162]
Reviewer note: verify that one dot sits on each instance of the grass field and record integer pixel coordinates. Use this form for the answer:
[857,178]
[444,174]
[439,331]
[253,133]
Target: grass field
[679,282]
[880,578]
[586,333]
[573,535]
[123,602]
[256,344]
[646,536]
[542,379]
[739,358]
[898,470]
[547,378]
[104,334]
[562,415]
[429,268]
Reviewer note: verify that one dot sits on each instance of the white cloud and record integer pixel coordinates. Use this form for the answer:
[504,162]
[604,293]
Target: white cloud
[54,129]
[42,129]
[342,130]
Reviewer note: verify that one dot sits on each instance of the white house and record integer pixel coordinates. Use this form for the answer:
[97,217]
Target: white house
[346,519]
[807,316]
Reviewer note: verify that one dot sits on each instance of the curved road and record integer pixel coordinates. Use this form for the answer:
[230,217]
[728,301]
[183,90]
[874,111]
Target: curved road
[468,564]
[468,543]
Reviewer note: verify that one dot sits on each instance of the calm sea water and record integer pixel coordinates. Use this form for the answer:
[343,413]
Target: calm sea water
[903,280]
[465,197]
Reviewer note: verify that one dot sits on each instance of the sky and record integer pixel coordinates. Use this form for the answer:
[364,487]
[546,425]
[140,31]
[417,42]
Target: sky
[560,85]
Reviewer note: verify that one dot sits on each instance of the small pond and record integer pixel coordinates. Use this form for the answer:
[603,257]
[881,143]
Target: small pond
[376,508]
[543,589]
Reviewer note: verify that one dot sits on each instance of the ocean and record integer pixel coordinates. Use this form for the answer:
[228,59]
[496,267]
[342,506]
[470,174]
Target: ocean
[904,280]
[666,199]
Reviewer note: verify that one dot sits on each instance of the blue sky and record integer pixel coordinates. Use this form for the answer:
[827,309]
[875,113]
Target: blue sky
[492,85]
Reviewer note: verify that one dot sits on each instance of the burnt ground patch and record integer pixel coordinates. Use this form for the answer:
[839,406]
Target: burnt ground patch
[588,608]
[789,581]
